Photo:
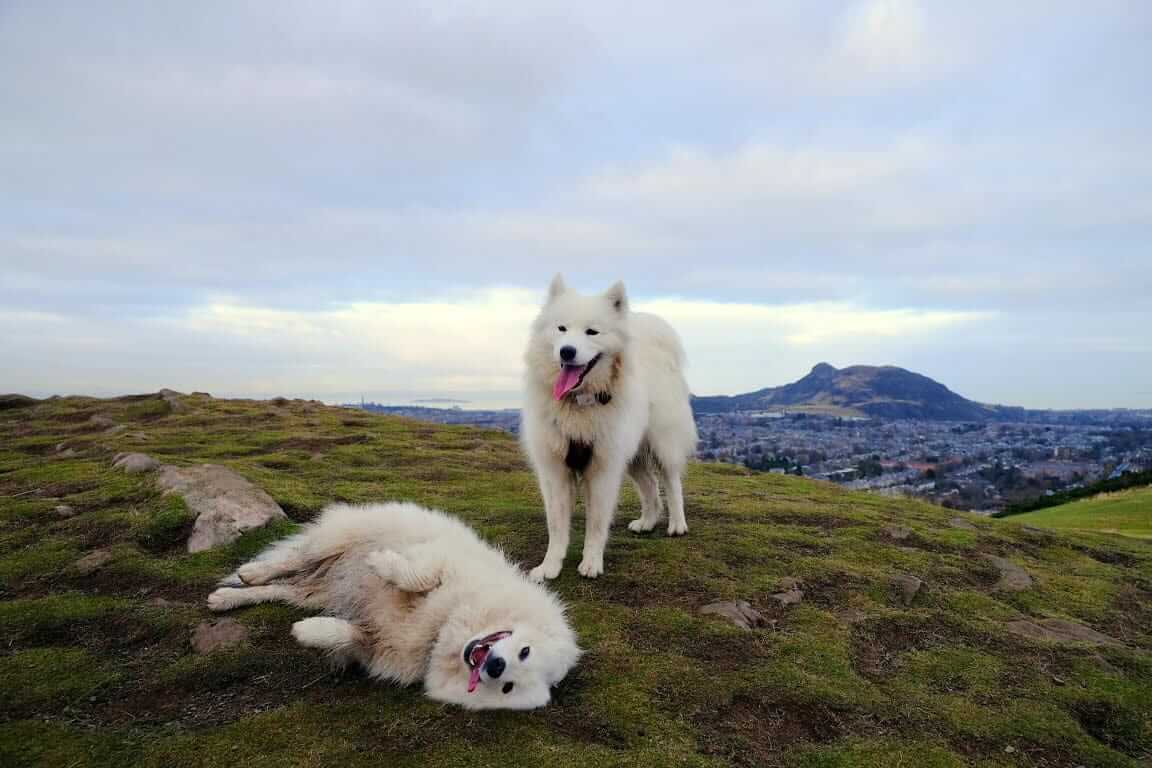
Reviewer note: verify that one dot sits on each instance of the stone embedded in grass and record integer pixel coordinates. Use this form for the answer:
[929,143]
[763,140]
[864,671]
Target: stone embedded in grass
[1060,631]
[908,586]
[791,593]
[211,636]
[739,612]
[962,524]
[225,503]
[172,397]
[1013,578]
[134,463]
[896,532]
[103,422]
[64,510]
[92,562]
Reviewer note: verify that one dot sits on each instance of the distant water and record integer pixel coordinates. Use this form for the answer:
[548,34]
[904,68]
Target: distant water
[468,401]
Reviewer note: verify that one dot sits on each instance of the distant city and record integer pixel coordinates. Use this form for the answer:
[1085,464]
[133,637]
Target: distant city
[868,428]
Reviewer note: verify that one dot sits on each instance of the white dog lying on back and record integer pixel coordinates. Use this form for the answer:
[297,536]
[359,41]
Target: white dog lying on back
[414,594]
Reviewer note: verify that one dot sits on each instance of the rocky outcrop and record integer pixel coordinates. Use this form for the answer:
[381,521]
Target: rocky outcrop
[225,503]
[739,612]
[134,463]
[1013,578]
[212,636]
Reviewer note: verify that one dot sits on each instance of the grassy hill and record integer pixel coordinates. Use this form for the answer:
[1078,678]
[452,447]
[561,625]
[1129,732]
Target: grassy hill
[97,669]
[1126,512]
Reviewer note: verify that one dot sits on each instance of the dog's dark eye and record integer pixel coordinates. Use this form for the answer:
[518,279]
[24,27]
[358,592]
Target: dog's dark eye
[562,329]
[592,332]
[524,652]
[508,687]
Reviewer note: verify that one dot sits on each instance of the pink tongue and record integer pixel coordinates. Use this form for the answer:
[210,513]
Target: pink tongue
[478,659]
[568,378]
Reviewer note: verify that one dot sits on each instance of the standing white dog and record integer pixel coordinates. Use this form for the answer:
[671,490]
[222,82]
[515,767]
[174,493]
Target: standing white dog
[604,394]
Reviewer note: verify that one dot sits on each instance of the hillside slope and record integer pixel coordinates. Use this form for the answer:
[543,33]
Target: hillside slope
[1128,513]
[883,391]
[98,670]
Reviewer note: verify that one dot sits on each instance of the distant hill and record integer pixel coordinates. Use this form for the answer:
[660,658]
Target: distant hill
[884,391]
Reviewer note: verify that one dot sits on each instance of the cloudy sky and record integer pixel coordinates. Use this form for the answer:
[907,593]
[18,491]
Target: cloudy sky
[328,199]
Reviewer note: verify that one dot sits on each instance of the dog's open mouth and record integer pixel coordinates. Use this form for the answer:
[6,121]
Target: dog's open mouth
[571,377]
[476,653]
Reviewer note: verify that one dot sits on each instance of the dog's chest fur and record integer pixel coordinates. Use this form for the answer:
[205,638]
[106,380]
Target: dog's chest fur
[579,455]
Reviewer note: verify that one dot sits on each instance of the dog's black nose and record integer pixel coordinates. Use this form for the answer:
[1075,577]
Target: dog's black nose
[495,666]
[567,353]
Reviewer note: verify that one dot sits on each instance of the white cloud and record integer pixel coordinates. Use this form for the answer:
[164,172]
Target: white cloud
[465,343]
[885,37]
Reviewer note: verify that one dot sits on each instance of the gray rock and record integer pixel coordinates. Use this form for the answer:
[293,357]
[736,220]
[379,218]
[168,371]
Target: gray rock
[134,463]
[226,505]
[789,596]
[962,524]
[64,510]
[67,453]
[101,421]
[212,636]
[172,397]
[1013,578]
[896,532]
[740,613]
[850,615]
[1060,631]
[908,586]
[92,562]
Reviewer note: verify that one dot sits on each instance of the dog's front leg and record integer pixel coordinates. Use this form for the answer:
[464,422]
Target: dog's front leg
[559,492]
[603,489]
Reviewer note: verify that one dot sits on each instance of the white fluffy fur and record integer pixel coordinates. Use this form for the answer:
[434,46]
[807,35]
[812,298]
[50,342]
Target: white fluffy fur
[646,429]
[406,589]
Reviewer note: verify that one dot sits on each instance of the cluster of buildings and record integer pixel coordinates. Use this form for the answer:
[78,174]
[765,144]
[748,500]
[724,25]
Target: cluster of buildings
[981,466]
[972,466]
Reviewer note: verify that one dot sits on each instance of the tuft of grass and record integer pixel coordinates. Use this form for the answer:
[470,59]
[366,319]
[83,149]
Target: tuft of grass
[38,677]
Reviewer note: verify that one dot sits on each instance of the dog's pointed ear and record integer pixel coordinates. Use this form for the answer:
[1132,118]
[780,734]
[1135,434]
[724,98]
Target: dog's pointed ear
[557,287]
[618,296]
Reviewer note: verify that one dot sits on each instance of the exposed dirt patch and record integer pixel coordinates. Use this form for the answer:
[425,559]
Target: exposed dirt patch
[754,733]
[318,443]
[878,643]
[827,522]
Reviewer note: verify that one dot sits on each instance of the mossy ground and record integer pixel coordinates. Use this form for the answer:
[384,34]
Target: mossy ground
[97,669]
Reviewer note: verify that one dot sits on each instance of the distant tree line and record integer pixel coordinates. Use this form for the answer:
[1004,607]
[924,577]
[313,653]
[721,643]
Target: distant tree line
[1126,480]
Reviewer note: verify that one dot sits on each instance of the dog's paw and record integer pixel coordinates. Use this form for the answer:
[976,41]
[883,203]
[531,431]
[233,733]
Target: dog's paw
[386,562]
[254,574]
[591,567]
[322,632]
[640,525]
[223,599]
[231,580]
[546,571]
[677,529]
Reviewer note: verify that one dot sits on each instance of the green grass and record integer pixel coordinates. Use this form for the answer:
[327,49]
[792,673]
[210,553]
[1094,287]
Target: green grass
[98,670]
[1128,513]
